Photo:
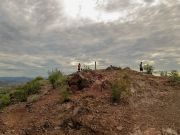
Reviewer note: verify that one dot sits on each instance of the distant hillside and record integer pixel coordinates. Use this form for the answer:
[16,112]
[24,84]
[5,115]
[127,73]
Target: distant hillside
[7,81]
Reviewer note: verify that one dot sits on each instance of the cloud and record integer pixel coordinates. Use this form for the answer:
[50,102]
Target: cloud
[37,35]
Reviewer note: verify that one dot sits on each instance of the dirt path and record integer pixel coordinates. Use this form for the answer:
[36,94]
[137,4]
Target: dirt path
[156,106]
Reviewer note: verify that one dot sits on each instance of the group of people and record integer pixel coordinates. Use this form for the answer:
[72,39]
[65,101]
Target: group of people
[140,67]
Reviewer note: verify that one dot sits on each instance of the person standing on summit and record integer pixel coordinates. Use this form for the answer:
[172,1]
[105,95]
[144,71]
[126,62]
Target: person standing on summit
[79,67]
[141,67]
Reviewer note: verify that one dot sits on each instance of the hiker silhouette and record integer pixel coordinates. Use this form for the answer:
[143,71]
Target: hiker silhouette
[79,67]
[141,67]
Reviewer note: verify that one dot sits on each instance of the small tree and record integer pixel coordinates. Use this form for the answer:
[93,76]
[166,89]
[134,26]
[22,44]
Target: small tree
[149,69]
[174,76]
[56,78]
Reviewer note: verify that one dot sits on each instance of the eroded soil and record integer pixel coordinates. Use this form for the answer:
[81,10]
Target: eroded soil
[152,109]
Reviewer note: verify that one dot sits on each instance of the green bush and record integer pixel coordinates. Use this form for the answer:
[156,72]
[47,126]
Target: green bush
[149,69]
[4,100]
[19,96]
[65,94]
[118,88]
[32,87]
[56,78]
[38,78]
[174,76]
[20,93]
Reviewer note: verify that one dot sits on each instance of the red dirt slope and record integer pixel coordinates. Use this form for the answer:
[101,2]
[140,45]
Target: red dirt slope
[152,109]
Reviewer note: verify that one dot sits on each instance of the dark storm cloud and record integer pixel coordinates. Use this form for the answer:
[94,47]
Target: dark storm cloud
[35,37]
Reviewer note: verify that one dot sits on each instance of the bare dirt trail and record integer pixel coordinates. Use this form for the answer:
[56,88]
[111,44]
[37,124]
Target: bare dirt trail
[156,104]
[153,109]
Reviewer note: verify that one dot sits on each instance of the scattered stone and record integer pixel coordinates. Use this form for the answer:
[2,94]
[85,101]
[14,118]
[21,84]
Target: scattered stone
[71,123]
[115,104]
[169,131]
[57,128]
[79,110]
[47,124]
[119,128]
[152,131]
[76,111]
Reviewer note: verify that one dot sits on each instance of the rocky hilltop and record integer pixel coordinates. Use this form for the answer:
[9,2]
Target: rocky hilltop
[152,107]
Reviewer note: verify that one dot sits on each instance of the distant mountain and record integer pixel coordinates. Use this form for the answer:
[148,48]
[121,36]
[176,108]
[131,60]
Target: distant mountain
[8,81]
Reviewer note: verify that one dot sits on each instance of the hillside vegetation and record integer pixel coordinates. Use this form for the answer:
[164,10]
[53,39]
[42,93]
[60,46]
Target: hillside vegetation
[114,101]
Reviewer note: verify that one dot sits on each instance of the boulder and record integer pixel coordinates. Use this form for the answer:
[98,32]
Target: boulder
[78,82]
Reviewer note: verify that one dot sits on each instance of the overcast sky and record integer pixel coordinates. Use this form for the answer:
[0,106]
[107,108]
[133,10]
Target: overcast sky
[39,35]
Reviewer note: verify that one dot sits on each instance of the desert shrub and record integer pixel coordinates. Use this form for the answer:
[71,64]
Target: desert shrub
[32,87]
[149,69]
[174,76]
[38,78]
[111,67]
[87,68]
[119,89]
[42,81]
[163,73]
[65,95]
[56,78]
[4,100]
[19,95]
